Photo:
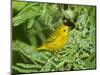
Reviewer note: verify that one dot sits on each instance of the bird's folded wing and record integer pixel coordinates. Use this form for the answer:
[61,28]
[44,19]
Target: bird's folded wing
[51,38]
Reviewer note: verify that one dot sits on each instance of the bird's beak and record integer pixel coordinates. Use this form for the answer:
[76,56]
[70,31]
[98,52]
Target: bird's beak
[69,23]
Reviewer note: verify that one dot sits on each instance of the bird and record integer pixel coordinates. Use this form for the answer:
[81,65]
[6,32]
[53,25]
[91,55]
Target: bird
[59,38]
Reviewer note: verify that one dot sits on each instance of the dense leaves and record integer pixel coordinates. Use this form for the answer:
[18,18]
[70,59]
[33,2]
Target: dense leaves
[31,25]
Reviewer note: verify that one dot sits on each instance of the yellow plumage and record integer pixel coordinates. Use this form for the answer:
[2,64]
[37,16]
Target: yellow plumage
[57,39]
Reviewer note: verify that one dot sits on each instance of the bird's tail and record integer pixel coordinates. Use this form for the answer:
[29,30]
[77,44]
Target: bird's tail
[41,48]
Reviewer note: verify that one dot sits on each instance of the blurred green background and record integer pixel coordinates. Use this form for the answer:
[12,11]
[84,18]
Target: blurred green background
[31,24]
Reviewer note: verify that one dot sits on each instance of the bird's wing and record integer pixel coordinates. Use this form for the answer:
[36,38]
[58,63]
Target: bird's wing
[52,37]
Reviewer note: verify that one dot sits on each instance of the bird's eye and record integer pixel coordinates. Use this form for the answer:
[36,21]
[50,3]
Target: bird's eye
[64,30]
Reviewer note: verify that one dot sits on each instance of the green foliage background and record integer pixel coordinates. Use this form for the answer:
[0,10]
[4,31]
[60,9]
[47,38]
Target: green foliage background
[32,23]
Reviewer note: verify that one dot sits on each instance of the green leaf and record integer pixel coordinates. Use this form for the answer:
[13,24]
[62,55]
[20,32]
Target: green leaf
[21,70]
[48,67]
[18,5]
[60,64]
[18,20]
[28,65]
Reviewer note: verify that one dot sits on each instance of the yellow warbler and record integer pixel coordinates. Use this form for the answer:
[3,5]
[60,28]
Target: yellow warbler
[58,38]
